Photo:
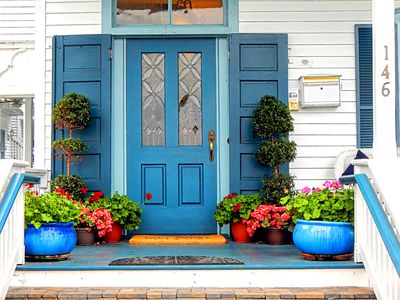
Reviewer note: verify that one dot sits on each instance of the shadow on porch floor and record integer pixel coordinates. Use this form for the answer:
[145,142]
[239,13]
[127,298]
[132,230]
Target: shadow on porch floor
[254,256]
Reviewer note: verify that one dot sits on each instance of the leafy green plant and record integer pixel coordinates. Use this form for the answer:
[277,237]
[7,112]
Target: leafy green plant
[272,123]
[72,184]
[49,207]
[71,112]
[276,187]
[333,203]
[236,207]
[123,210]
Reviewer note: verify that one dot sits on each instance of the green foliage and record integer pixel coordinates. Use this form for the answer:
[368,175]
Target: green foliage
[275,153]
[71,184]
[49,208]
[123,210]
[275,187]
[271,118]
[72,112]
[335,205]
[69,146]
[236,208]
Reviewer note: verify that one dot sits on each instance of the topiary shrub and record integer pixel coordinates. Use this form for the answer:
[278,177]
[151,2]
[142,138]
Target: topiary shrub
[272,123]
[72,184]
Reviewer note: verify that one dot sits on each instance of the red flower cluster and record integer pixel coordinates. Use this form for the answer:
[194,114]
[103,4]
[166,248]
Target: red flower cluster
[64,193]
[148,196]
[96,196]
[267,216]
[84,190]
[230,196]
[100,218]
[237,207]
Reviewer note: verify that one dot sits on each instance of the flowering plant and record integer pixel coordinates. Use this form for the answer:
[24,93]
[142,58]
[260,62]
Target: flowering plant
[236,207]
[267,215]
[333,202]
[99,218]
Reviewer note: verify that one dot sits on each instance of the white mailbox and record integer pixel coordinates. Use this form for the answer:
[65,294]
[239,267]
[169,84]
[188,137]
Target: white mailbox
[319,90]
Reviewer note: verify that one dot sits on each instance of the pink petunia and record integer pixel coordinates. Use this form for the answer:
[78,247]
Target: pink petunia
[306,190]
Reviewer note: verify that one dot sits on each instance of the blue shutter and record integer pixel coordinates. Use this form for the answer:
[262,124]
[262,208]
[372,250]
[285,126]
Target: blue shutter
[82,64]
[258,67]
[364,86]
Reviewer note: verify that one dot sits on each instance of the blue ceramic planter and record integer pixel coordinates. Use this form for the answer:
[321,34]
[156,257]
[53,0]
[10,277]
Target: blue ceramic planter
[50,239]
[320,237]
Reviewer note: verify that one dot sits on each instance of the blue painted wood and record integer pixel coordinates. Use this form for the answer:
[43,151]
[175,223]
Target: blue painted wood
[385,229]
[364,86]
[231,17]
[181,178]
[82,65]
[258,67]
[11,194]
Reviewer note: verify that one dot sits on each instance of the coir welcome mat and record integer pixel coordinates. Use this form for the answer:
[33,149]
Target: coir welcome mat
[175,260]
[213,239]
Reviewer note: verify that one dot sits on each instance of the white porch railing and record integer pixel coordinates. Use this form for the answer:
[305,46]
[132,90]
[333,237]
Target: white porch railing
[12,251]
[376,241]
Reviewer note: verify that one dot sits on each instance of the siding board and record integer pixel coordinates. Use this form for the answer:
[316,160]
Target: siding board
[17,21]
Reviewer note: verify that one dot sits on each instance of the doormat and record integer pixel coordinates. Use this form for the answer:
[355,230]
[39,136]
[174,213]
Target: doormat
[214,239]
[175,260]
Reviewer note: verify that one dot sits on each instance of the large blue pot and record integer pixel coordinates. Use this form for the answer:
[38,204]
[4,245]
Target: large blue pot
[50,239]
[321,237]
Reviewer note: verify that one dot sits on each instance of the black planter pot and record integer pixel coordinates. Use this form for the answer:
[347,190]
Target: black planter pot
[85,236]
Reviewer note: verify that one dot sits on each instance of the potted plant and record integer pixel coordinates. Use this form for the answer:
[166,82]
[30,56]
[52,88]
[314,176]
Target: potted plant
[324,219]
[125,212]
[272,124]
[72,112]
[272,217]
[49,221]
[233,210]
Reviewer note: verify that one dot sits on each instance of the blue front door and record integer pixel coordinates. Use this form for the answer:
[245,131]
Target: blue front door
[171,115]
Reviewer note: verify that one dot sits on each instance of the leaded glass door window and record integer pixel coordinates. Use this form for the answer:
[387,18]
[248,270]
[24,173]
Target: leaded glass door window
[171,108]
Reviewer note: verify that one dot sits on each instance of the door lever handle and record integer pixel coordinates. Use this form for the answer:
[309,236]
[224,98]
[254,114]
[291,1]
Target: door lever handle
[211,138]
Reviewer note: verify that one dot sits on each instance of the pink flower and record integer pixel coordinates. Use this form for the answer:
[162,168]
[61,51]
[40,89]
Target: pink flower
[336,184]
[306,190]
[317,190]
[327,184]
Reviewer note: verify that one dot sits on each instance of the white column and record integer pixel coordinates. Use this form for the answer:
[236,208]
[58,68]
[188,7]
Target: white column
[384,85]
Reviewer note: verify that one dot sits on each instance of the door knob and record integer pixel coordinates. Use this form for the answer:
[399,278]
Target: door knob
[211,138]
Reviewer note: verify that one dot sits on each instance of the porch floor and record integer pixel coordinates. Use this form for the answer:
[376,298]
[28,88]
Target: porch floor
[253,255]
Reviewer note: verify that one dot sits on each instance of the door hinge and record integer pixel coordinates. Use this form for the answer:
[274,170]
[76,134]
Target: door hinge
[110,53]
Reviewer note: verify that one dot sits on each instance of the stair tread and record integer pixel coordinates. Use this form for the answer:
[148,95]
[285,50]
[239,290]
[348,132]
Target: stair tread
[194,293]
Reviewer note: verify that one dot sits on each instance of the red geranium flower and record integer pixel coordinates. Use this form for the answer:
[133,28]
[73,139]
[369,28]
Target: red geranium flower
[84,190]
[96,196]
[148,196]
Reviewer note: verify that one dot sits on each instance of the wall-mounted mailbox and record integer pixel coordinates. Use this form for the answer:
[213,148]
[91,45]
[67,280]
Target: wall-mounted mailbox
[319,90]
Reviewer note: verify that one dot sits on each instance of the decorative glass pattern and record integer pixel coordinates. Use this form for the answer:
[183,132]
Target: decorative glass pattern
[190,127]
[142,12]
[153,95]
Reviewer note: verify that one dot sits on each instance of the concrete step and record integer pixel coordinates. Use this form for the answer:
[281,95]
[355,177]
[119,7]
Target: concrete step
[342,293]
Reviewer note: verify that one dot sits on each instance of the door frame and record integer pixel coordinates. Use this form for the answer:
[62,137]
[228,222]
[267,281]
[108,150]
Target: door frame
[119,124]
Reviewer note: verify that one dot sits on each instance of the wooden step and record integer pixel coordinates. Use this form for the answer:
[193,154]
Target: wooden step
[192,293]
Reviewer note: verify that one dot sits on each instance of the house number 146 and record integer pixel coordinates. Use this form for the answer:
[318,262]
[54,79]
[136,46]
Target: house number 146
[385,73]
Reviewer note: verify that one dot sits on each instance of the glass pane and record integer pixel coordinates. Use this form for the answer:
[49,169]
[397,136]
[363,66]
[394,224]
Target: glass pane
[153,112]
[197,12]
[142,12]
[190,129]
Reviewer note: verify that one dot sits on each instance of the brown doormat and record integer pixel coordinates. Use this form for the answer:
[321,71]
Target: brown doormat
[214,239]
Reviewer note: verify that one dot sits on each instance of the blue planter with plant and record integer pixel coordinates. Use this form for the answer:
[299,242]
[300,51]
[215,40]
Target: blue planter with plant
[322,237]
[50,239]
[49,221]
[324,219]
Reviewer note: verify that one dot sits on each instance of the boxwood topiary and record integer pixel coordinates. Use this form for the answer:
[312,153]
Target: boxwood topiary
[71,184]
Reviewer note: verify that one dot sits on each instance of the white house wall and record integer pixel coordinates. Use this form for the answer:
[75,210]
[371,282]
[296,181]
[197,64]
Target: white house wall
[17,41]
[321,40]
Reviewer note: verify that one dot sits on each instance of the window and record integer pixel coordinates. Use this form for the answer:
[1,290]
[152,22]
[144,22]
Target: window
[170,12]
[16,128]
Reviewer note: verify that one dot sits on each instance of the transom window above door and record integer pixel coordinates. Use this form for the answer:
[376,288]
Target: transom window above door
[170,12]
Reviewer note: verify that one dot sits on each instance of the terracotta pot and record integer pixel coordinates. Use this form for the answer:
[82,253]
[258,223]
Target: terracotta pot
[239,232]
[114,236]
[85,236]
[275,236]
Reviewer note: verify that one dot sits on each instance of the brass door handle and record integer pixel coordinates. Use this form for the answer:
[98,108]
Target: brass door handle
[211,138]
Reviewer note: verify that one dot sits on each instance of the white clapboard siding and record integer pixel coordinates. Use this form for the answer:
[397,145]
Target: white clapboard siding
[321,41]
[64,17]
[17,21]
